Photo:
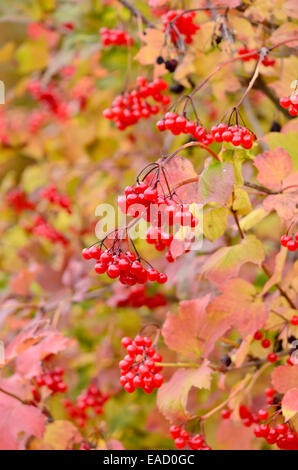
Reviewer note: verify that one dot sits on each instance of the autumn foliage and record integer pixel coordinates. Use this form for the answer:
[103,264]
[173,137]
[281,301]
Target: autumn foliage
[182,116]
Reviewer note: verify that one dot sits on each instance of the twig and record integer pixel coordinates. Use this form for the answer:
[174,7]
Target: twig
[136,12]
[234,59]
[12,395]
[260,188]
[283,293]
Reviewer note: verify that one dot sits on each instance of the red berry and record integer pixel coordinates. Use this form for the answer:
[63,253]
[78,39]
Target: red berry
[266,343]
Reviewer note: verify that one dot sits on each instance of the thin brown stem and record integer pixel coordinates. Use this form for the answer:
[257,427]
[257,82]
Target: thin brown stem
[136,12]
[190,144]
[237,223]
[281,290]
[260,188]
[12,395]
[234,59]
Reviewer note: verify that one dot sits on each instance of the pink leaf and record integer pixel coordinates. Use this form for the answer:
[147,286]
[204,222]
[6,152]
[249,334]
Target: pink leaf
[273,166]
[193,333]
[18,421]
[172,396]
[232,436]
[284,378]
[289,404]
[238,306]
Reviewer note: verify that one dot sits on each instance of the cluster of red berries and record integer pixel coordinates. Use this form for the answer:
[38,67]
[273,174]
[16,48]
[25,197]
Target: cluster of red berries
[267,61]
[43,229]
[182,439]
[138,297]
[36,120]
[290,103]
[17,199]
[281,434]
[52,194]
[90,398]
[138,368]
[236,134]
[53,380]
[183,25]
[265,343]
[122,265]
[50,97]
[140,195]
[290,243]
[127,109]
[180,125]
[116,37]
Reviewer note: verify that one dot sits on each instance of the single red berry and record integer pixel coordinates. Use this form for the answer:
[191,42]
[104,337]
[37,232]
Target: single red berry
[225,414]
[294,320]
[263,414]
[258,335]
[272,357]
[266,343]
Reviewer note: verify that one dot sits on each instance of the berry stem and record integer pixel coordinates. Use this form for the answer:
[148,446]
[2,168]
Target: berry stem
[234,59]
[191,144]
[254,77]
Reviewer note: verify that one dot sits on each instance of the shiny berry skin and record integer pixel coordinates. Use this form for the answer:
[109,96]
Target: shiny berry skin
[266,343]
[272,357]
[263,415]
[294,320]
[225,414]
[138,369]
[258,335]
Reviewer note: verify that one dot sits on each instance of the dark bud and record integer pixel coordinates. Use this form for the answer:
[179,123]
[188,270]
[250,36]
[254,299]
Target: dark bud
[177,88]
[171,65]
[275,127]
[291,339]
[278,346]
[226,360]
[159,60]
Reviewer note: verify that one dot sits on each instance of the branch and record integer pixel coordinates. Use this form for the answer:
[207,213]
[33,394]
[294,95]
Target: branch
[260,188]
[234,59]
[237,223]
[135,12]
[12,395]
[261,85]
[283,293]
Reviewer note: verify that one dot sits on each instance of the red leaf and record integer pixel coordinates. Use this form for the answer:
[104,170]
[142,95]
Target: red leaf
[16,418]
[289,404]
[238,306]
[273,166]
[284,378]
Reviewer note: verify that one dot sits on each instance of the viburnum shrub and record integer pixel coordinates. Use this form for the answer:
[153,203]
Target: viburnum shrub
[149,295]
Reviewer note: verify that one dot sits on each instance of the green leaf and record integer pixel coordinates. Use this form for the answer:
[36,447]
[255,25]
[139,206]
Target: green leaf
[215,223]
[227,261]
[32,55]
[241,203]
[172,396]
